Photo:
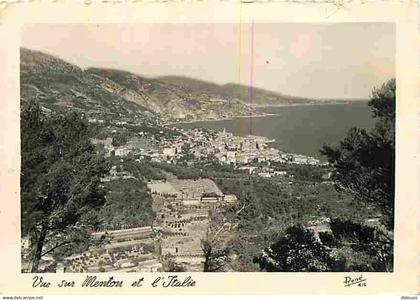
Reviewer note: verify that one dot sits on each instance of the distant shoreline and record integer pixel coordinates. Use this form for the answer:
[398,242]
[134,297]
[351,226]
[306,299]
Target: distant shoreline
[301,104]
[257,115]
[260,115]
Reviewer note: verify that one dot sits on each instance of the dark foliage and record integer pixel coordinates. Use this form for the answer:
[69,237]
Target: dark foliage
[60,179]
[297,251]
[347,246]
[128,203]
[365,161]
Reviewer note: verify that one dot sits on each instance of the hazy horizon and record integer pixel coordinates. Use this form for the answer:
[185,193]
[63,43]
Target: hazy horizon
[319,61]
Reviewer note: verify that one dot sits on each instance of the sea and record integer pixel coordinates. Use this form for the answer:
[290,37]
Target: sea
[300,129]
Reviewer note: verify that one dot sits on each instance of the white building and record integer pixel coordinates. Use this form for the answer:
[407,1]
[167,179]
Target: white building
[122,151]
[169,151]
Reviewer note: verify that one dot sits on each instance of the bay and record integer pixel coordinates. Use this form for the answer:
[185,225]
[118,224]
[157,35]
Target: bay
[300,129]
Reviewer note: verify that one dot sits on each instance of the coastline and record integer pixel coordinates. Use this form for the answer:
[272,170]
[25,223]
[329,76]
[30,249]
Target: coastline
[257,115]
[301,104]
[310,146]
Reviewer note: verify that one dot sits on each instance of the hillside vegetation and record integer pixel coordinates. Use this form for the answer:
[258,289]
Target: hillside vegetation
[57,84]
[260,97]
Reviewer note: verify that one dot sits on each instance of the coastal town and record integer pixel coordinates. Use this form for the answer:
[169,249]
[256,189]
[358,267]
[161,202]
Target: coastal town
[172,164]
[182,208]
[226,148]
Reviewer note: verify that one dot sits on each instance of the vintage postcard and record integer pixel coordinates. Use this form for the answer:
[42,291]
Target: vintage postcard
[208,147]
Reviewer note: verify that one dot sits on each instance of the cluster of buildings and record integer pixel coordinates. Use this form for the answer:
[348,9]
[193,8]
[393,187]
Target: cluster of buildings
[228,149]
[127,250]
[138,145]
[263,171]
[182,207]
[197,144]
[124,250]
[201,144]
[183,210]
[112,118]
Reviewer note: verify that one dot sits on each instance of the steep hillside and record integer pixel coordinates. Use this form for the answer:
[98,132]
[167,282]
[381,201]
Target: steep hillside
[171,101]
[260,97]
[59,85]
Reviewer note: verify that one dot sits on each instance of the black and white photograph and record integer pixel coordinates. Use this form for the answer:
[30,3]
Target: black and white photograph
[211,147]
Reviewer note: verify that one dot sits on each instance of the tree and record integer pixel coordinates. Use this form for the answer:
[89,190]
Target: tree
[214,259]
[187,155]
[119,139]
[170,265]
[364,163]
[216,253]
[60,180]
[361,248]
[297,251]
[346,247]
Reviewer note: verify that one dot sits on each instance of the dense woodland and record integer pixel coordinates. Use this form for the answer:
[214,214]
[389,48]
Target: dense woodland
[128,203]
[60,180]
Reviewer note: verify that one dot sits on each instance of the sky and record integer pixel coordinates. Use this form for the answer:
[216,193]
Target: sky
[325,61]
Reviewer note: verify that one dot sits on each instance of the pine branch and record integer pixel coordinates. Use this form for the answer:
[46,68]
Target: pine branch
[55,247]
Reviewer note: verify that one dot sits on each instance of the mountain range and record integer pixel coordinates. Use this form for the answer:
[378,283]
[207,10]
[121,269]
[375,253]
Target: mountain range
[57,84]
